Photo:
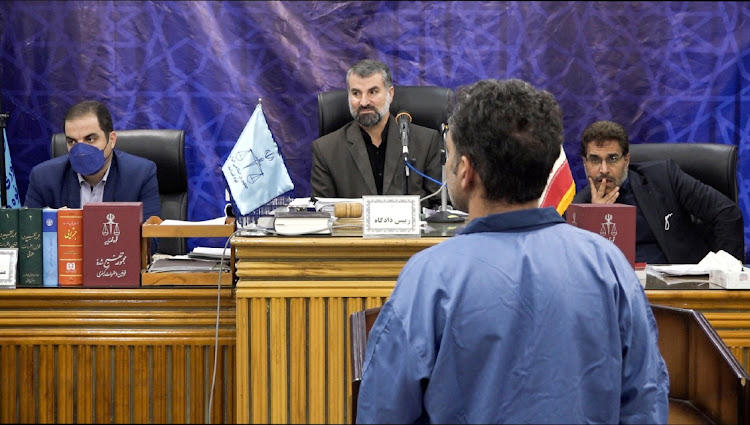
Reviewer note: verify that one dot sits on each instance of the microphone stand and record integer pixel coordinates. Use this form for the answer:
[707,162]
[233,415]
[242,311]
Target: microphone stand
[405,187]
[442,215]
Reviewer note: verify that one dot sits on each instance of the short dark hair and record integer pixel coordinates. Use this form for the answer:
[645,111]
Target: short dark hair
[511,132]
[604,131]
[368,67]
[91,107]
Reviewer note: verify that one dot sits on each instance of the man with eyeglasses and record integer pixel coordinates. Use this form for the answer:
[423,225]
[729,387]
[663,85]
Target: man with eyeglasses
[483,328]
[667,201]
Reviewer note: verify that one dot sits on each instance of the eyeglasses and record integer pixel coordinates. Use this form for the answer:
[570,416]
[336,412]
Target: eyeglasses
[611,159]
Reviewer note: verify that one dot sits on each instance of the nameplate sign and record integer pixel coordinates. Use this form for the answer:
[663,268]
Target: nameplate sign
[8,267]
[390,215]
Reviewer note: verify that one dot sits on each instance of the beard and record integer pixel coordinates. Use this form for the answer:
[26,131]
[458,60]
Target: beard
[370,120]
[458,202]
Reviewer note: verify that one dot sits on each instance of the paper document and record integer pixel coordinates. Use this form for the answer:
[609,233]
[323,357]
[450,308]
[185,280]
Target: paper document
[208,252]
[213,221]
[679,269]
[185,265]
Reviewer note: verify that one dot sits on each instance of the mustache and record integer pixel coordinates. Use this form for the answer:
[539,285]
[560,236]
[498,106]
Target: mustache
[366,108]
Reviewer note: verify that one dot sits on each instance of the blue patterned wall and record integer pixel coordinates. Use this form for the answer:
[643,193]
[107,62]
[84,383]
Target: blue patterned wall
[668,71]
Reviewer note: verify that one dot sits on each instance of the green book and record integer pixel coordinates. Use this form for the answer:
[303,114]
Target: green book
[30,269]
[8,227]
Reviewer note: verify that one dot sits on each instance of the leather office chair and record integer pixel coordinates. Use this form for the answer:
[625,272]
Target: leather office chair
[714,164]
[427,105]
[167,149]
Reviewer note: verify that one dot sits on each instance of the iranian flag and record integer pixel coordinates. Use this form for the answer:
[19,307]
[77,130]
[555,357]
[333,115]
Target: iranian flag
[560,188]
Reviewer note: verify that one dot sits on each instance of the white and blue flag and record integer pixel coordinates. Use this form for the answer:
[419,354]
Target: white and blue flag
[13,200]
[255,170]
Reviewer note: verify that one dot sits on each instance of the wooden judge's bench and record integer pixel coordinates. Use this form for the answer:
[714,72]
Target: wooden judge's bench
[146,355]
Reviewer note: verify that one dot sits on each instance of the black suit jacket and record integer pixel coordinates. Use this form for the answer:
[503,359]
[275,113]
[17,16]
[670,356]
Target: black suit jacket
[54,184]
[688,218]
[341,167]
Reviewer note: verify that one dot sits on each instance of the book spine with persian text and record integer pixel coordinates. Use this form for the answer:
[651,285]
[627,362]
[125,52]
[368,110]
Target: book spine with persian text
[112,244]
[8,227]
[30,247]
[49,246]
[70,247]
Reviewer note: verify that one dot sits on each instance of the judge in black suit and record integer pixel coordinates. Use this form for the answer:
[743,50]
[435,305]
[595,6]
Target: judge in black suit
[667,201]
[364,157]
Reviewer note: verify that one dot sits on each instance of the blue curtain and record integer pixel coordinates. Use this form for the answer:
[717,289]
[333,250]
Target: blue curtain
[667,71]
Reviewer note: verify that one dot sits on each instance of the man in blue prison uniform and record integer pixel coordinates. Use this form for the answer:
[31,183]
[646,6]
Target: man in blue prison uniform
[521,318]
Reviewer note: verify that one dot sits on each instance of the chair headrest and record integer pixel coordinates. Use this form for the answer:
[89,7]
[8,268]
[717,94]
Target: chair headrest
[427,105]
[714,164]
[165,147]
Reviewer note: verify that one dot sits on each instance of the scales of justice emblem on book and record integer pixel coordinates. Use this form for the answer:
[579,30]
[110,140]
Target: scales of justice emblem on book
[608,229]
[111,227]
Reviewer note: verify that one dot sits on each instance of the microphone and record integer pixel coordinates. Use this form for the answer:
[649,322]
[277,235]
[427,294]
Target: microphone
[403,119]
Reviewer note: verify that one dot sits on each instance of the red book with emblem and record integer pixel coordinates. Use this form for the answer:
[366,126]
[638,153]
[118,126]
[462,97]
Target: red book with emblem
[615,222]
[112,244]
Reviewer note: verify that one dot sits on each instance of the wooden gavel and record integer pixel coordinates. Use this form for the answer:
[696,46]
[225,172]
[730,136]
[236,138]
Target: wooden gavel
[347,210]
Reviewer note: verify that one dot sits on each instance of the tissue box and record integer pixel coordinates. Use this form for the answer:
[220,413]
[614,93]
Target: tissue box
[730,280]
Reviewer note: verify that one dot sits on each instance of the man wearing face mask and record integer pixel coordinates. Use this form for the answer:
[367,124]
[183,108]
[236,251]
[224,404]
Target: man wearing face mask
[364,157]
[93,171]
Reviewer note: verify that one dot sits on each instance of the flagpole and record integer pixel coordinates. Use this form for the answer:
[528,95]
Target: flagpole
[3,190]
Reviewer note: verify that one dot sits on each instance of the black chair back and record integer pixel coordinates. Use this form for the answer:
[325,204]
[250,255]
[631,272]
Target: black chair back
[427,105]
[714,164]
[167,149]
[360,323]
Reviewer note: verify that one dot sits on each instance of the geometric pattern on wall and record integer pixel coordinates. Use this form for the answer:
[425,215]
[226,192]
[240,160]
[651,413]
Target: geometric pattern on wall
[668,71]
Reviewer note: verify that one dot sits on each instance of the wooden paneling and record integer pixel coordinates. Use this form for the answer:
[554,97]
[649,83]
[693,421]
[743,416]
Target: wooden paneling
[70,355]
[294,298]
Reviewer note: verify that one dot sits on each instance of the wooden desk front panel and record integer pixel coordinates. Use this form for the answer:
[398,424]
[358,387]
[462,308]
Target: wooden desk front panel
[294,298]
[70,355]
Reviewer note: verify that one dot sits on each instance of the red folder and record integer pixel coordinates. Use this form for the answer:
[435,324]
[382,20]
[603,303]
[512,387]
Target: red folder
[615,222]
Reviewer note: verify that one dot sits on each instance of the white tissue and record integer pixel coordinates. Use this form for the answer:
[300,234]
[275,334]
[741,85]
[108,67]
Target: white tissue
[720,261]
